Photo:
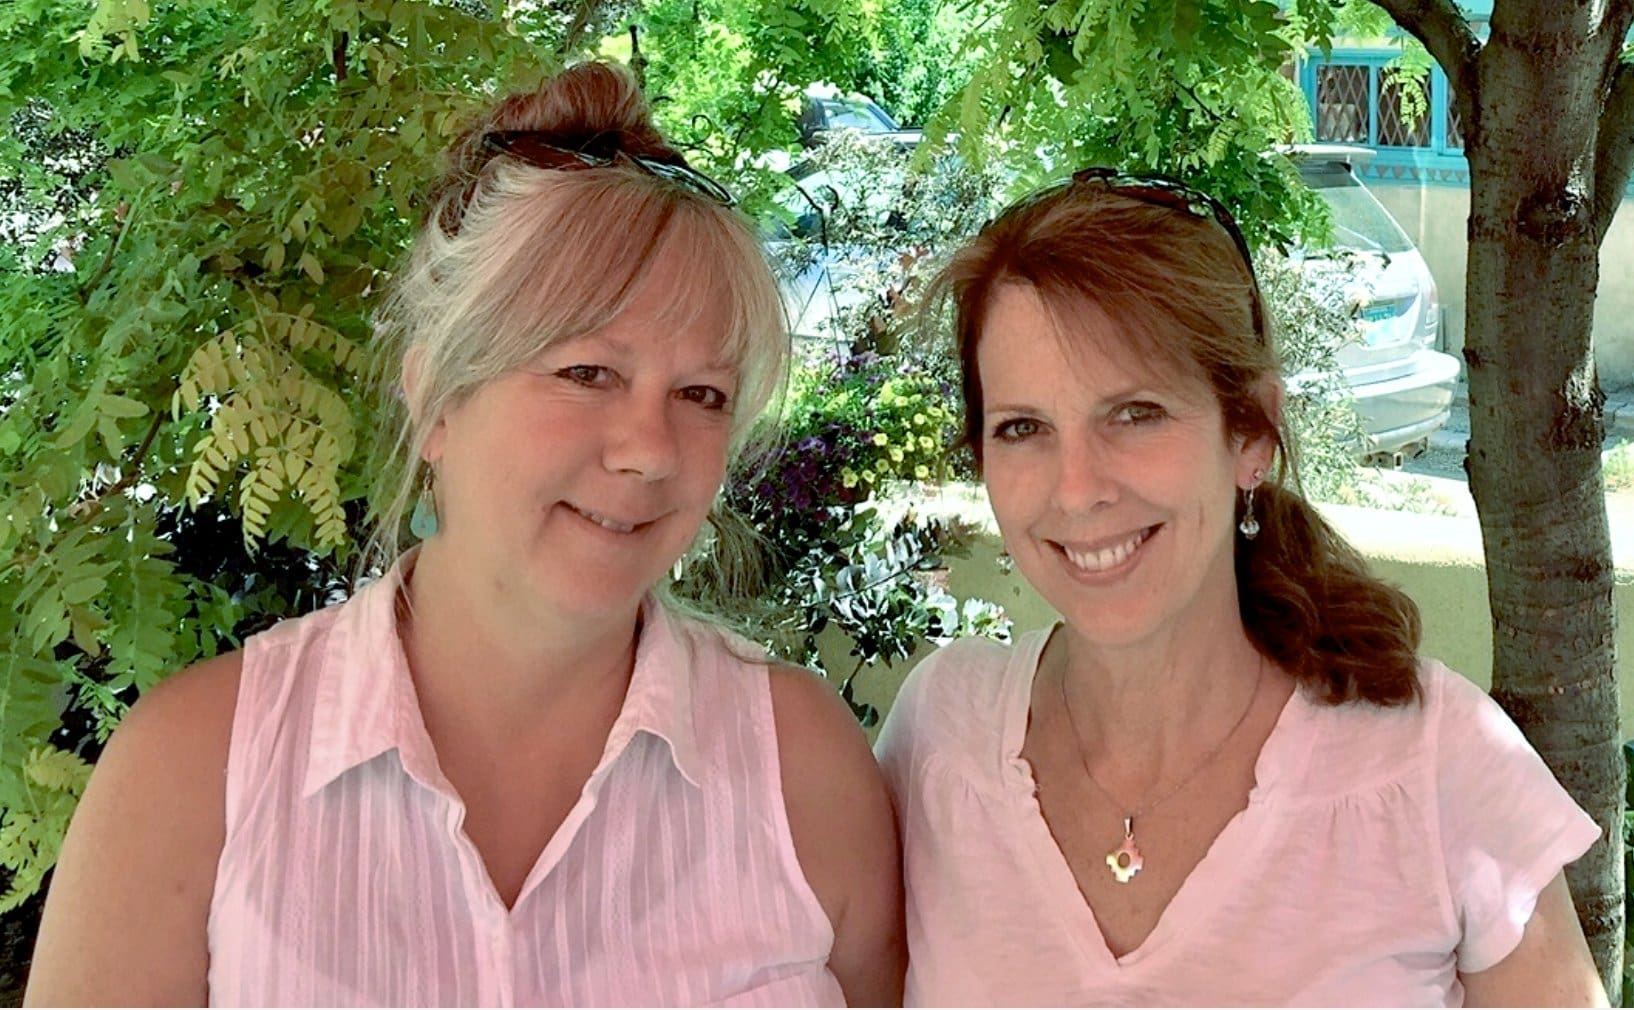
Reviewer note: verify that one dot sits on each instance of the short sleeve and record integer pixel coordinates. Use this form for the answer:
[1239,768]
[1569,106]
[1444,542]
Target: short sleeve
[1507,827]
[947,702]
[894,748]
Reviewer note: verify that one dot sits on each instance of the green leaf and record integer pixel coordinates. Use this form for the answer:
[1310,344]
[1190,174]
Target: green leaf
[121,406]
[81,590]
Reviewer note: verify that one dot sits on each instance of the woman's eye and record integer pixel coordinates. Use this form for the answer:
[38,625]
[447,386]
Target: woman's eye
[1138,413]
[587,375]
[1015,429]
[707,397]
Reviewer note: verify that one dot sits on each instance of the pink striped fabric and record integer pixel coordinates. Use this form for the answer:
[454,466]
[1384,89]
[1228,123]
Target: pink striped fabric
[346,880]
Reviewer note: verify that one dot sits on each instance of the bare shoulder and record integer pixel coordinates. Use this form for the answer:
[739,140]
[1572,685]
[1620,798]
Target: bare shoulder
[829,774]
[810,712]
[200,698]
[125,918]
[171,749]
[824,756]
[844,833]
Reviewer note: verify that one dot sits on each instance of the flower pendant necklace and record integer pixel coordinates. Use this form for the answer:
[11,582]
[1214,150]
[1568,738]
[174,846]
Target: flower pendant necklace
[1125,861]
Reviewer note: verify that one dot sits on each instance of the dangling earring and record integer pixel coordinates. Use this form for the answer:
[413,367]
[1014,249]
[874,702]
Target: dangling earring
[1250,527]
[423,522]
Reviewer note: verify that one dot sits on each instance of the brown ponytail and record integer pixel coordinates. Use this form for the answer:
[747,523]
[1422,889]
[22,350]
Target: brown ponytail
[1310,604]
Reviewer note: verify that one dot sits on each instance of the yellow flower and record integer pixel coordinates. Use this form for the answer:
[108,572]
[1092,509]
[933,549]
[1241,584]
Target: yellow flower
[927,443]
[880,438]
[919,419]
[848,477]
[896,454]
[868,475]
[922,472]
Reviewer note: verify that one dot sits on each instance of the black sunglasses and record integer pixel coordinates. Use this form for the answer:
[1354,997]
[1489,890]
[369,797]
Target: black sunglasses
[532,147]
[1165,191]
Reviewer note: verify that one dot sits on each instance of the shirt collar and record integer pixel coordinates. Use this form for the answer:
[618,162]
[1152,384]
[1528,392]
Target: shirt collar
[365,703]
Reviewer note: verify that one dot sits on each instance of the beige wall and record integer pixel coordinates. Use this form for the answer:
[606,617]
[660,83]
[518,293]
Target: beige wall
[1436,217]
[1436,559]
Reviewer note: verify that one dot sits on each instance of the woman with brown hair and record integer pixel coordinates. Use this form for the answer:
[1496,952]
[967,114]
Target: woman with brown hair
[509,771]
[1224,776]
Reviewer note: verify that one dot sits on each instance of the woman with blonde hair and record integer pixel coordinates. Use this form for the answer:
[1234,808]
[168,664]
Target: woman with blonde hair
[1224,776]
[508,772]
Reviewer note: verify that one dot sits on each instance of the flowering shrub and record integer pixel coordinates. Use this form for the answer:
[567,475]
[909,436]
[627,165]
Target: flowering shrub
[855,425]
[888,418]
[914,427]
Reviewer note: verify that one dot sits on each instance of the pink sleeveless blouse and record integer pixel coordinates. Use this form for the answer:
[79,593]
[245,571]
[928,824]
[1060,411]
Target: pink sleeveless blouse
[346,879]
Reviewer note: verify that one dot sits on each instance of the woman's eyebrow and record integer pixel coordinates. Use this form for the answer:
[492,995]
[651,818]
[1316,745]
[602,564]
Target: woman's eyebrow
[1012,408]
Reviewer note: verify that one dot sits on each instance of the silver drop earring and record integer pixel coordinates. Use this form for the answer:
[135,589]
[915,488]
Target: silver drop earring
[1249,527]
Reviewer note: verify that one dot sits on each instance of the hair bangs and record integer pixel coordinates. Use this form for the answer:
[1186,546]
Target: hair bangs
[584,242]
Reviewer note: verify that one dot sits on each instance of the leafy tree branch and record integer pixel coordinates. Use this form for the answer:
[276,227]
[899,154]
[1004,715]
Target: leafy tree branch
[1443,30]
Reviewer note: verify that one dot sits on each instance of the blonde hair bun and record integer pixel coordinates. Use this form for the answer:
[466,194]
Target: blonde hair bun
[597,104]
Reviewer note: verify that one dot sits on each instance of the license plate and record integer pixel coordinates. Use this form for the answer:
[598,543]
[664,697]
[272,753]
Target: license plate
[1378,312]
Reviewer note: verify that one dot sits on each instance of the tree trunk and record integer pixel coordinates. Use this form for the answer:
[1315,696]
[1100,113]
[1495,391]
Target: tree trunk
[1549,133]
[1536,422]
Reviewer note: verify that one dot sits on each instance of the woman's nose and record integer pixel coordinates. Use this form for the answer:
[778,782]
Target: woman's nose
[1084,477]
[641,439]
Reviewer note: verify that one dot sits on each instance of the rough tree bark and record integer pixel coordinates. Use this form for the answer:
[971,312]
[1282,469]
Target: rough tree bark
[1548,114]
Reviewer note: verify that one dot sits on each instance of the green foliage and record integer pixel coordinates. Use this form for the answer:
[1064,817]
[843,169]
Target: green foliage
[1409,76]
[727,77]
[203,201]
[31,830]
[922,60]
[1312,317]
[912,423]
[1071,84]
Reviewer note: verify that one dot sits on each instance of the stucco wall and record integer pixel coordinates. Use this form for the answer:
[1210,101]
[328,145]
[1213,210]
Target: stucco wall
[1435,559]
[1437,216]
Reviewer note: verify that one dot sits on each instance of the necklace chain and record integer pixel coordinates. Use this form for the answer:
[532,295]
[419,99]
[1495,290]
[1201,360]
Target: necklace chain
[1125,861]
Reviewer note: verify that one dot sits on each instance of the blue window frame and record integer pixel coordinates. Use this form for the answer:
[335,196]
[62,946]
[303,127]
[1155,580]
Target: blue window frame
[1352,100]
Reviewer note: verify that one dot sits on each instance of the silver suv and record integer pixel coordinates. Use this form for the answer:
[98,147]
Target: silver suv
[1403,386]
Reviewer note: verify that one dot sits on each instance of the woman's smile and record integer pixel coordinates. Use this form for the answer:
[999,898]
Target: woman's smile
[608,522]
[1105,561]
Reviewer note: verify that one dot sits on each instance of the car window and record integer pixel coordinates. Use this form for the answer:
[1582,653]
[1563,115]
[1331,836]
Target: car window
[857,116]
[1360,221]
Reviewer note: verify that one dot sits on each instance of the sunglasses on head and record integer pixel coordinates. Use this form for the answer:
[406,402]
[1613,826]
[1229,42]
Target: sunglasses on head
[533,147]
[1164,191]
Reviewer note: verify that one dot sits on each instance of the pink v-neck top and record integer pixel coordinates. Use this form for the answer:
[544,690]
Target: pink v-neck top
[346,879]
[1382,852]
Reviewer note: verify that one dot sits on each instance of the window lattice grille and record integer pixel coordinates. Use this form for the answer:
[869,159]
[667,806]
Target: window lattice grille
[1397,129]
[1341,104]
[1455,127]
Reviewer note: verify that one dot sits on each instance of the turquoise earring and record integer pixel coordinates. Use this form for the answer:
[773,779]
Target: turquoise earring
[423,522]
